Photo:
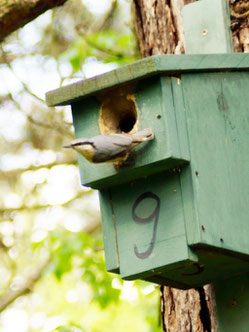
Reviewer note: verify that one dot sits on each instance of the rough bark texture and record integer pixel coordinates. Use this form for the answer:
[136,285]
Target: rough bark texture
[16,13]
[192,310]
[159,26]
[160,31]
[240,24]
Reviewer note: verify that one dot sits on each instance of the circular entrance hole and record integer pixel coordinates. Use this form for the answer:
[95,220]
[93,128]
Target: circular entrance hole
[118,114]
[127,122]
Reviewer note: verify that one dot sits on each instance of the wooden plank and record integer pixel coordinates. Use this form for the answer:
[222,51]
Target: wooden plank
[207,27]
[150,226]
[232,298]
[188,202]
[168,111]
[109,232]
[169,255]
[180,118]
[218,127]
[167,64]
[193,228]
[212,266]
[163,280]
[193,63]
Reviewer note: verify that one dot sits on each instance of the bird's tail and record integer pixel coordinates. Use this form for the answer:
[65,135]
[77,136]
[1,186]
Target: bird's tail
[143,135]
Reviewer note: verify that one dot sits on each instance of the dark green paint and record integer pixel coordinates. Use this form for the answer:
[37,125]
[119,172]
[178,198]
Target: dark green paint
[218,127]
[232,298]
[197,165]
[171,243]
[212,121]
[153,99]
[109,232]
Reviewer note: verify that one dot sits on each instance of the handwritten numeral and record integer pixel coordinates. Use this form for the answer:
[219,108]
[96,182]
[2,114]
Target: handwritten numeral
[144,220]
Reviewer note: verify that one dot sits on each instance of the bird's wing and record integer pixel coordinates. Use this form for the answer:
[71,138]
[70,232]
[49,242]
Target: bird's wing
[121,140]
[114,142]
[111,146]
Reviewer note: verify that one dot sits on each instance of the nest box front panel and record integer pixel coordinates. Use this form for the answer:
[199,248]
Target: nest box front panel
[150,226]
[147,104]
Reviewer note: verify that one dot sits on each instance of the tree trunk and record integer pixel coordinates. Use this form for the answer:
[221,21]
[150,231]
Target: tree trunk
[159,26]
[15,14]
[239,10]
[159,29]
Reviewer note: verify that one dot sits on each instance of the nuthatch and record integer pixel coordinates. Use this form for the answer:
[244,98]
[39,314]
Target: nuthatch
[110,148]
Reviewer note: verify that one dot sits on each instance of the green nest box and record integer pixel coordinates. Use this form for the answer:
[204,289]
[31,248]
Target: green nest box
[177,212]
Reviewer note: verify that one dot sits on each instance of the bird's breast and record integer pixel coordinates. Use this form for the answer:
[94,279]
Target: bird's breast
[86,151]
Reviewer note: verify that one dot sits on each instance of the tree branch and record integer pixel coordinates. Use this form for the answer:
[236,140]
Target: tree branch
[53,126]
[14,14]
[26,288]
[24,85]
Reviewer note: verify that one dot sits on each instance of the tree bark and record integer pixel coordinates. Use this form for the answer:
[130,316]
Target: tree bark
[192,310]
[159,26]
[159,30]
[240,24]
[15,14]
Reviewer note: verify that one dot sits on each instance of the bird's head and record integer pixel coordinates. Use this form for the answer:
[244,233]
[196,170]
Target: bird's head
[84,147]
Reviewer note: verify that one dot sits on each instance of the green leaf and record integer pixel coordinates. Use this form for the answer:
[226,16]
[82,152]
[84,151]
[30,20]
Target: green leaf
[69,328]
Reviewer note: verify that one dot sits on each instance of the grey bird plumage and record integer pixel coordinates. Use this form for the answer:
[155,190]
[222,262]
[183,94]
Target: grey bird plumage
[110,148]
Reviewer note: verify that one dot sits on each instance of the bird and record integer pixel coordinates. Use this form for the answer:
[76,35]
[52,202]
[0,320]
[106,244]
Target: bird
[112,148]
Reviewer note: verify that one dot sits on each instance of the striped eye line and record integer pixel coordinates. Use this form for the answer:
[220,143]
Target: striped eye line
[83,143]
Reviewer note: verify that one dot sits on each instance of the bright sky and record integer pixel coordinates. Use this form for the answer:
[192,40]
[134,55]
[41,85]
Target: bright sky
[97,6]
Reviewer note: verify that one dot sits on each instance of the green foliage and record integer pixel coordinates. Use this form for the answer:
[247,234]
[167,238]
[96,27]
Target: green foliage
[113,46]
[81,250]
[71,328]
[107,46]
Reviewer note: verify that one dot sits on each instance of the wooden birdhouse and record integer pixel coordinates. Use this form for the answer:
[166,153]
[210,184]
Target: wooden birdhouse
[177,212]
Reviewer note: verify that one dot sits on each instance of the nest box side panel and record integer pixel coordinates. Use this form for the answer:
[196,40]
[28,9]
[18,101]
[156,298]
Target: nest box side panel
[109,232]
[218,129]
[150,226]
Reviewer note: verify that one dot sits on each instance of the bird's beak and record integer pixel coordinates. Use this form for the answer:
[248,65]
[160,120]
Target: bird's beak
[67,146]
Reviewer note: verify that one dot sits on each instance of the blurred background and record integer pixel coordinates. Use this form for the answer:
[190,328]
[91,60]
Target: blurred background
[52,270]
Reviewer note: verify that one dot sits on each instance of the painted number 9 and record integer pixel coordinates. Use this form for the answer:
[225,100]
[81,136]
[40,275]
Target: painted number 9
[144,220]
